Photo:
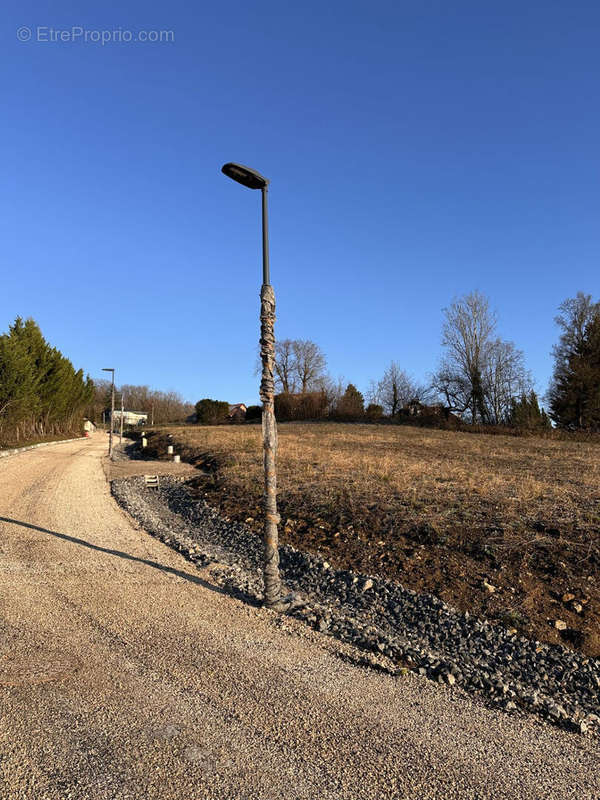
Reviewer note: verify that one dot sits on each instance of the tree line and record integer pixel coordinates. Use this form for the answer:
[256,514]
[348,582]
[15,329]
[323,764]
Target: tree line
[41,393]
[481,378]
[161,407]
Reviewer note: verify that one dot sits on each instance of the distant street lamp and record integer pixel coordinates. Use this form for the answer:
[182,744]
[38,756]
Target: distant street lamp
[272,594]
[121,420]
[112,410]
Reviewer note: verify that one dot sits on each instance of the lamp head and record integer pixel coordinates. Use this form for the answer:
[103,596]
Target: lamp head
[244,175]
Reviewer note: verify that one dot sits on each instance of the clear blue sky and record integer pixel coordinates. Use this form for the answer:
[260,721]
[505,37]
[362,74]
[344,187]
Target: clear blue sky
[416,151]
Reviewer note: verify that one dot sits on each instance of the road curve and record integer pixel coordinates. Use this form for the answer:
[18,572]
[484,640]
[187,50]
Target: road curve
[125,674]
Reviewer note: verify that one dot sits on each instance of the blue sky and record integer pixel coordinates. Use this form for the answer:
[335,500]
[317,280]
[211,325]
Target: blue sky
[416,151]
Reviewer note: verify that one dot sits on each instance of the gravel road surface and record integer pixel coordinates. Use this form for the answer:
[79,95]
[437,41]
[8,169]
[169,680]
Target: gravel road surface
[125,673]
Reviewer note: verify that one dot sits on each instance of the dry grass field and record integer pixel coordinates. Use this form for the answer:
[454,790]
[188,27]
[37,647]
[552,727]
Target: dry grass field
[506,527]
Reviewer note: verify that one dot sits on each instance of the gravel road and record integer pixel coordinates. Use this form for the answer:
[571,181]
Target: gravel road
[126,673]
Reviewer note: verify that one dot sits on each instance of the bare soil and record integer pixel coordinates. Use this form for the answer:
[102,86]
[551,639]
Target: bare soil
[505,527]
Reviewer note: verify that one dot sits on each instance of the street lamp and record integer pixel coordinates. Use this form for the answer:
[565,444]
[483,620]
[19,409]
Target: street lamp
[272,593]
[112,410]
[121,420]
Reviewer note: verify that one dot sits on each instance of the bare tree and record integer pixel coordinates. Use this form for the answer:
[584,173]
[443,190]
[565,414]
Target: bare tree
[505,378]
[466,334]
[333,390]
[479,373]
[308,364]
[167,406]
[576,313]
[395,389]
[284,366]
[299,366]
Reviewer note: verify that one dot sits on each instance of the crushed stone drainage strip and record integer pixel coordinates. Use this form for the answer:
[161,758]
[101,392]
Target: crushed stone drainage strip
[410,630]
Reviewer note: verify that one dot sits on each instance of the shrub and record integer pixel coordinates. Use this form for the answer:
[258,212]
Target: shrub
[253,413]
[374,411]
[310,405]
[211,412]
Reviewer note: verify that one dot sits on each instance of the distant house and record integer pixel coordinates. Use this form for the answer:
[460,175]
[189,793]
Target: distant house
[237,412]
[429,414]
[131,417]
[88,426]
[415,409]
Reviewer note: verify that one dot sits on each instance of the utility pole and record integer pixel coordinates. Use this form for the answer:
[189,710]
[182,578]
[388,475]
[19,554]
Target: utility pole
[152,415]
[112,410]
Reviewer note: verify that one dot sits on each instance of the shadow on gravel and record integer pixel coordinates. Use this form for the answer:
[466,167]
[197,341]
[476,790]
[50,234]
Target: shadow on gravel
[133,451]
[120,554]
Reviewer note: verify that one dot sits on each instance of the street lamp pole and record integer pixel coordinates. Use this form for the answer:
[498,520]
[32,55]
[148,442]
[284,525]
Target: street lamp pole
[265,236]
[122,413]
[272,582]
[112,410]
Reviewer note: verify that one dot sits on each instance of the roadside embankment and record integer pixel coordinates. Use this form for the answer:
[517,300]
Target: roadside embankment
[504,528]
[15,450]
[401,629]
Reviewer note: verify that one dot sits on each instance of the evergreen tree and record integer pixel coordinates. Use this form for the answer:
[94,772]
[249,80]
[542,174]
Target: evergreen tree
[351,404]
[40,392]
[575,389]
[527,414]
